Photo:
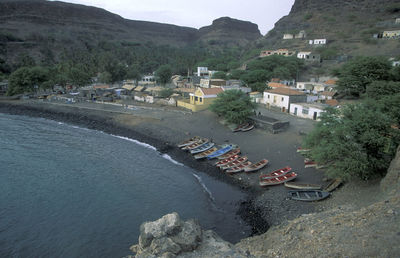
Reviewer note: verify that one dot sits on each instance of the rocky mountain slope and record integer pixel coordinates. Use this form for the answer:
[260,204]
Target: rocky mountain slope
[348,26]
[36,26]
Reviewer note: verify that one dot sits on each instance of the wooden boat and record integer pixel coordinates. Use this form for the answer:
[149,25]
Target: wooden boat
[310,164]
[220,152]
[308,195]
[195,145]
[238,168]
[301,150]
[230,154]
[226,161]
[278,180]
[256,166]
[188,141]
[205,153]
[333,185]
[276,173]
[234,163]
[201,148]
[240,127]
[303,186]
[247,128]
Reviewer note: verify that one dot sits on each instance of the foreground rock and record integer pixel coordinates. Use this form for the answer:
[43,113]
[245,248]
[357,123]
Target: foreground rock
[172,237]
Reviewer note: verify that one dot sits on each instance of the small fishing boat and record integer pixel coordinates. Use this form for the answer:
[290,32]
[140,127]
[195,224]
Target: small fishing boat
[204,147]
[234,163]
[205,153]
[247,128]
[240,127]
[195,145]
[278,180]
[256,166]
[333,185]
[226,161]
[301,150]
[238,168]
[188,141]
[303,186]
[308,195]
[230,154]
[276,173]
[220,152]
[310,164]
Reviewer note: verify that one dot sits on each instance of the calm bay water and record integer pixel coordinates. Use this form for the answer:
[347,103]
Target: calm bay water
[67,191]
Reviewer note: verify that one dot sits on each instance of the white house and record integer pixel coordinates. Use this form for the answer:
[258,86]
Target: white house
[307,110]
[303,55]
[201,71]
[282,98]
[317,42]
[288,36]
[319,87]
[306,86]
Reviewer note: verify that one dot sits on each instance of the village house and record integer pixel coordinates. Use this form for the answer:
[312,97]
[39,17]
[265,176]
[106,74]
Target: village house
[319,87]
[307,110]
[201,99]
[202,71]
[212,83]
[300,35]
[397,21]
[288,36]
[305,86]
[282,98]
[275,85]
[280,52]
[317,42]
[327,95]
[309,56]
[391,34]
[256,96]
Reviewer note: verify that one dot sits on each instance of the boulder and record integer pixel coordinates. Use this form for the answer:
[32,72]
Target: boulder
[189,237]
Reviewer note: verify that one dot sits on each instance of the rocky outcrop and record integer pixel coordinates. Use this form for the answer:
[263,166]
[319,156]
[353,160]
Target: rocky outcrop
[172,237]
[391,183]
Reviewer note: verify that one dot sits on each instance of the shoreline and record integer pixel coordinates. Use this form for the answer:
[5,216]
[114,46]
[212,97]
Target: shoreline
[259,211]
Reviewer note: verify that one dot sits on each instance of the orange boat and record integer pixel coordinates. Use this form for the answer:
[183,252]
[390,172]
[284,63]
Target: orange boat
[276,173]
[239,168]
[234,163]
[230,154]
[278,180]
[226,161]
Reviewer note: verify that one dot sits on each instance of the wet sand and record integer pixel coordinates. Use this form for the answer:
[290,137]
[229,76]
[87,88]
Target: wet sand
[164,127]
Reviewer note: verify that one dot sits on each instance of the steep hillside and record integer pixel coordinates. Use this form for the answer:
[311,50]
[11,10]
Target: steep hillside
[348,26]
[40,27]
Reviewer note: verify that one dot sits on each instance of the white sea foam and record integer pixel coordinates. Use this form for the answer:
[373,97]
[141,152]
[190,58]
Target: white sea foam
[136,141]
[167,157]
[204,187]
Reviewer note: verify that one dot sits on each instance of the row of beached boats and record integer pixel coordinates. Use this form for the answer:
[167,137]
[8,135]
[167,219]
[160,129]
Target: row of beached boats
[231,162]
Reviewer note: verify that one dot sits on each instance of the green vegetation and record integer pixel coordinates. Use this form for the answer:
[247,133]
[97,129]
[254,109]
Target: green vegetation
[234,105]
[327,52]
[166,92]
[308,16]
[26,79]
[163,74]
[360,140]
[220,75]
[355,75]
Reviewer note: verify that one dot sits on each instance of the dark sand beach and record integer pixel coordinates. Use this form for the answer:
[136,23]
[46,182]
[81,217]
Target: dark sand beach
[164,127]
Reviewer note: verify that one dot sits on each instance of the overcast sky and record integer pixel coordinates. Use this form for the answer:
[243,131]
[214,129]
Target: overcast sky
[196,14]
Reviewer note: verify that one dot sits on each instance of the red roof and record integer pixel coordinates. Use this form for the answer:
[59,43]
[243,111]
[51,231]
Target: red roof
[332,102]
[330,82]
[211,91]
[285,91]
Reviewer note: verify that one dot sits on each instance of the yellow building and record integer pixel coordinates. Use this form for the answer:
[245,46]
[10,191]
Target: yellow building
[391,34]
[200,99]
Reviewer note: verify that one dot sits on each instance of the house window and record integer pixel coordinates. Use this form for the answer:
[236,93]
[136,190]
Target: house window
[268,95]
[201,99]
[305,111]
[196,98]
[282,98]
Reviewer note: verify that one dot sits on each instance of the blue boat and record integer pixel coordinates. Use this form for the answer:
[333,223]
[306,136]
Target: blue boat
[220,152]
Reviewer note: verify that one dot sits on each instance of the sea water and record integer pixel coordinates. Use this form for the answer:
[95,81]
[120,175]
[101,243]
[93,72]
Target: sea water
[67,191]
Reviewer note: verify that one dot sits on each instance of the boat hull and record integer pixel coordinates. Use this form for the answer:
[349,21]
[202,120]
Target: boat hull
[308,195]
[302,186]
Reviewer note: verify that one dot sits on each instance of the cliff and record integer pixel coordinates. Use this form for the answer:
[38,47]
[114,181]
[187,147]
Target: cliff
[348,26]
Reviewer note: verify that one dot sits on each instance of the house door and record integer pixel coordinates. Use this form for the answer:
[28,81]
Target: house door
[295,111]
[283,109]
[315,116]
[274,99]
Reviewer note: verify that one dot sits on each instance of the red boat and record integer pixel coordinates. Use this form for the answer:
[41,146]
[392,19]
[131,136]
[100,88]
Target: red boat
[278,180]
[276,173]
[234,163]
[239,168]
[230,154]
[309,164]
[226,161]
[256,166]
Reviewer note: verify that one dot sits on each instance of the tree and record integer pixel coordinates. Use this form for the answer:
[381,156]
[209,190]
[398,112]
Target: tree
[163,74]
[234,105]
[219,75]
[236,74]
[26,79]
[133,73]
[357,141]
[78,76]
[256,76]
[259,86]
[378,89]
[355,75]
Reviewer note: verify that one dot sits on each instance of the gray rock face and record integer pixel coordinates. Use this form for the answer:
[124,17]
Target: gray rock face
[172,237]
[391,182]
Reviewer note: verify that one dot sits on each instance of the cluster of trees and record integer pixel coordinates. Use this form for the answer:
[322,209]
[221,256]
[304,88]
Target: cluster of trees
[234,105]
[360,140]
